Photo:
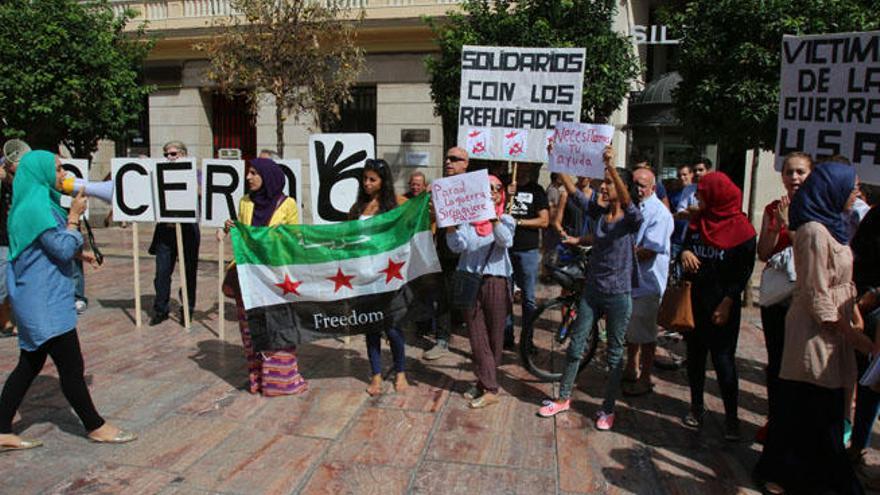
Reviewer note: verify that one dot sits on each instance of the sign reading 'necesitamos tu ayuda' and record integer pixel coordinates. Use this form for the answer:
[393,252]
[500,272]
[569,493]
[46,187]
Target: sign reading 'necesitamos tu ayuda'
[511,99]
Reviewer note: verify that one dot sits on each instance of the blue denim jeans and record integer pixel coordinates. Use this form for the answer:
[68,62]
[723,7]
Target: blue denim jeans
[617,309]
[4,257]
[79,281]
[374,350]
[525,275]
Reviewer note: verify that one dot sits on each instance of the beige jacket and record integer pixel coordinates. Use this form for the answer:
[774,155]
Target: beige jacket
[824,292]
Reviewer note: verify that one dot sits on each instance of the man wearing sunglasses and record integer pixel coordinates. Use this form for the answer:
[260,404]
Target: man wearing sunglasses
[455,163]
[164,248]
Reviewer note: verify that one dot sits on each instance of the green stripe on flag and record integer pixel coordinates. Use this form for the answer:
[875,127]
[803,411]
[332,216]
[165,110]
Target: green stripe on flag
[310,244]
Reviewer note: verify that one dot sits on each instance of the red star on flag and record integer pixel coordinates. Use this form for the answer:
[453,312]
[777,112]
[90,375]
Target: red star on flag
[289,286]
[341,280]
[393,270]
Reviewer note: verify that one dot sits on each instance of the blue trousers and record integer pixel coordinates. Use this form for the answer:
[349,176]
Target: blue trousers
[164,247]
[374,350]
[617,309]
[525,275]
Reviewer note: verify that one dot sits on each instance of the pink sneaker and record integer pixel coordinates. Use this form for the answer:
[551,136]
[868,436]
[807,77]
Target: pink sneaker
[552,408]
[604,421]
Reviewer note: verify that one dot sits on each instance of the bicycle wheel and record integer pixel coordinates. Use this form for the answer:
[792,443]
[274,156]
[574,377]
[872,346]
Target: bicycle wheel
[541,352]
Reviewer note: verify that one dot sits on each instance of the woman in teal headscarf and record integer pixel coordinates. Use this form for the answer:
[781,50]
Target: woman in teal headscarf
[43,242]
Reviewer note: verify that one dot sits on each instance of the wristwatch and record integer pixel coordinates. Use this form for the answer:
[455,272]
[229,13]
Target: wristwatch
[518,222]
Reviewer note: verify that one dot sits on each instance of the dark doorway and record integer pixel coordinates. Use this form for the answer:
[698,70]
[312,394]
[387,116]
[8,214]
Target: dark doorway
[233,125]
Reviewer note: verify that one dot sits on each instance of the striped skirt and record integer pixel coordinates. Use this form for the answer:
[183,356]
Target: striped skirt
[270,373]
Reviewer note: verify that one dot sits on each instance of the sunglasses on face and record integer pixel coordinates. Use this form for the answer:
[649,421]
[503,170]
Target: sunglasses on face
[496,187]
[171,154]
[452,158]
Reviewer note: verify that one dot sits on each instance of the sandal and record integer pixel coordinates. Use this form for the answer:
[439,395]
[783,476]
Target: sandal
[694,420]
[121,437]
[23,444]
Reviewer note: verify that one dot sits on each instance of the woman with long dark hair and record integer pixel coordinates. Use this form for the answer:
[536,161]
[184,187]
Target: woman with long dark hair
[774,239]
[375,196]
[275,372]
[43,242]
[718,256]
[608,286]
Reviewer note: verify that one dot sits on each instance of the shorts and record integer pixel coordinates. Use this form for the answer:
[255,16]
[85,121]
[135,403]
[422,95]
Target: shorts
[643,322]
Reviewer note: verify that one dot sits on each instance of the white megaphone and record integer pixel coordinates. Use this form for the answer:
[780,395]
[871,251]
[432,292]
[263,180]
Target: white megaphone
[101,190]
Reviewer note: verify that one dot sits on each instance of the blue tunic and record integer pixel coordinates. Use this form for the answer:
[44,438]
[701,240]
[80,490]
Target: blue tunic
[41,286]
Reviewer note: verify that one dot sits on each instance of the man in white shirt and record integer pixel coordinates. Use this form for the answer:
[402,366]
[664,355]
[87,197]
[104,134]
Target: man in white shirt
[653,244]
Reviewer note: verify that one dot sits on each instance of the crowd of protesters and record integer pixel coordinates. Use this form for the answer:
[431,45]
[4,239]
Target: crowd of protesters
[819,329]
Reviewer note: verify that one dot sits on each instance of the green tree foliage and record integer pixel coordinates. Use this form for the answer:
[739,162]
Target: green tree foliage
[730,60]
[69,73]
[611,62]
[301,52]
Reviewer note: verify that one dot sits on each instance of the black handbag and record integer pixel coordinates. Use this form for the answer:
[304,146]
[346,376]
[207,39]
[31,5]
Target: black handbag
[466,286]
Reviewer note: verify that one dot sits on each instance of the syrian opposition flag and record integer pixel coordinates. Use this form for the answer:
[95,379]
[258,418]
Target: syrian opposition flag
[305,282]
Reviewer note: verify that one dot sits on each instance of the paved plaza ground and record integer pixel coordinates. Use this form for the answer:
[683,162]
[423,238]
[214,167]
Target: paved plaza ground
[201,432]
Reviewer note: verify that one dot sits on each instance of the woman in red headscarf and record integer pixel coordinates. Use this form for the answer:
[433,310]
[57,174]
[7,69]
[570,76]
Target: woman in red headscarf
[718,256]
[483,247]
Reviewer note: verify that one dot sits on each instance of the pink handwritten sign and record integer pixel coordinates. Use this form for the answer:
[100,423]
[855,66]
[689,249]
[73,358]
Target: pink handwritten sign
[462,199]
[578,149]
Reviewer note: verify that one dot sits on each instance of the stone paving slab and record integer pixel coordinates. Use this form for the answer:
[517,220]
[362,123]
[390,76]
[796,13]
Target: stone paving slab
[202,433]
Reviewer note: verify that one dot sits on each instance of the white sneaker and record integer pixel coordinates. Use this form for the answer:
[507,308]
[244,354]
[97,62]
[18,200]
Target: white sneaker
[81,307]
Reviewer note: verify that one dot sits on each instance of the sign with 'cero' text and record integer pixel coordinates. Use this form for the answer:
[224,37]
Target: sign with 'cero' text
[511,97]
[829,102]
[146,190]
[335,163]
[223,185]
[462,198]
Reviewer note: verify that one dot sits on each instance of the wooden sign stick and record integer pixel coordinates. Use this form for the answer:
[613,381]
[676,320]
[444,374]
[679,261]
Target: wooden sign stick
[513,181]
[181,259]
[220,274]
[136,257]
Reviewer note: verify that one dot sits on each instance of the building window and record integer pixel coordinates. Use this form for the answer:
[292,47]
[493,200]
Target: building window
[358,115]
[137,137]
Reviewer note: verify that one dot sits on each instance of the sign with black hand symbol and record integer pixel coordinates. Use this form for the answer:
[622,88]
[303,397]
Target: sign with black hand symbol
[335,163]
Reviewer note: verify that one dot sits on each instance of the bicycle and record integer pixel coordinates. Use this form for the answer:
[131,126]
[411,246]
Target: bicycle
[542,349]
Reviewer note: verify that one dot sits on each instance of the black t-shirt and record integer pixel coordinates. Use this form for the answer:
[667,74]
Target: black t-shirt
[528,201]
[866,252]
[723,273]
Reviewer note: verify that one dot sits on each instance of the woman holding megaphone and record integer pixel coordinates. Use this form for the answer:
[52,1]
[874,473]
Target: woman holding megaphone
[43,242]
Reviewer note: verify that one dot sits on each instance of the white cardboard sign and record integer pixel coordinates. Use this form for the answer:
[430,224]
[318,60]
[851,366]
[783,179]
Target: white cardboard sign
[223,185]
[335,163]
[578,149]
[77,168]
[293,182]
[507,89]
[463,198]
[828,103]
[175,191]
[133,189]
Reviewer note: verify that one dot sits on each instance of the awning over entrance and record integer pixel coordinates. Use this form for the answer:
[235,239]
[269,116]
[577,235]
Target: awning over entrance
[653,107]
